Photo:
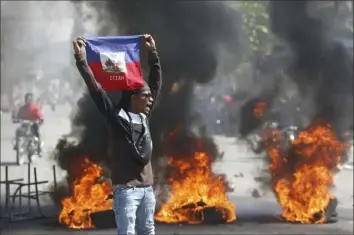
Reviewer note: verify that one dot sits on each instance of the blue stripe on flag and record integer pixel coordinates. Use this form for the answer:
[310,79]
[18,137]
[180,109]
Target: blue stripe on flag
[129,44]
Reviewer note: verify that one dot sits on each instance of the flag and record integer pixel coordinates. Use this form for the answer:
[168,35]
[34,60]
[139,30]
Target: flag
[115,61]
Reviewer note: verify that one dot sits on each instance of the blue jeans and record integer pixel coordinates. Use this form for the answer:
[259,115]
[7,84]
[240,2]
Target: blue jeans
[134,209]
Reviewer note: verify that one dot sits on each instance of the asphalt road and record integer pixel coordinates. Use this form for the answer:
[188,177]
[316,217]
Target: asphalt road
[56,124]
[256,215]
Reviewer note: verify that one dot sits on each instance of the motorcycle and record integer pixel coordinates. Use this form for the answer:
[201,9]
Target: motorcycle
[26,144]
[286,134]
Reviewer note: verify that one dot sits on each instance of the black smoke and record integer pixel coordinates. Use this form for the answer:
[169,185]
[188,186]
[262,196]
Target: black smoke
[322,65]
[318,64]
[190,37]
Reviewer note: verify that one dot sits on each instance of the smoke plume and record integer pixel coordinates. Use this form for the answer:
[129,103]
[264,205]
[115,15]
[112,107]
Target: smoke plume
[322,65]
[319,67]
[34,36]
[189,37]
[318,72]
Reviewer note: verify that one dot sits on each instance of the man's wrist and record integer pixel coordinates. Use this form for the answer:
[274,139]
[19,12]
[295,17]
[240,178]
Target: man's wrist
[152,48]
[79,56]
[153,51]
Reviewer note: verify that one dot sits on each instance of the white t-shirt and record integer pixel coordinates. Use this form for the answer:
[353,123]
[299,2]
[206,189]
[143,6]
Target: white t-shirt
[136,119]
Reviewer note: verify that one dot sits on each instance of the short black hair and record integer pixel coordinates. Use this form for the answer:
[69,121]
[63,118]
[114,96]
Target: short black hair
[28,95]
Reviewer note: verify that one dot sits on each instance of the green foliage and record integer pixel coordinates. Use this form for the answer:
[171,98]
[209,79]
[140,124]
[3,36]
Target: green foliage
[255,22]
[255,19]
[349,27]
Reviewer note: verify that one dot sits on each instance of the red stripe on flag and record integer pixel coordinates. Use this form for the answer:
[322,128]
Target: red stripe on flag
[119,81]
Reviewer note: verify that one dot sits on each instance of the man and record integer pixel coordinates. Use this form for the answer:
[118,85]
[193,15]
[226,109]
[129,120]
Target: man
[30,112]
[131,172]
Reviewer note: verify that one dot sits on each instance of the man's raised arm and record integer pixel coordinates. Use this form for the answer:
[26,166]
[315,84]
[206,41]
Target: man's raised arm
[100,97]
[155,78]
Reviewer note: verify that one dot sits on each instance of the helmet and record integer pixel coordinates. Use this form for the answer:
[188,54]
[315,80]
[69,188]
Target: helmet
[28,95]
[28,98]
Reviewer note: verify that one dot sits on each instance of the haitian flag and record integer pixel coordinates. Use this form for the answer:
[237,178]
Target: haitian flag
[115,61]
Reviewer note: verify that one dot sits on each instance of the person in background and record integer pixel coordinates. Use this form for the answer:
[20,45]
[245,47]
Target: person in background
[131,149]
[30,112]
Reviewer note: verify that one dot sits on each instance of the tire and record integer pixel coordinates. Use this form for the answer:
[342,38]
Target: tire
[18,154]
[29,158]
[30,151]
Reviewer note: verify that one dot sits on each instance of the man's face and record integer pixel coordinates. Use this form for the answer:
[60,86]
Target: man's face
[28,100]
[142,102]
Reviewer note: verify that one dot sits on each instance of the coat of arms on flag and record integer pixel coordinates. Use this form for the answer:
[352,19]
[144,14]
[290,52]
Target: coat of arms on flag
[113,62]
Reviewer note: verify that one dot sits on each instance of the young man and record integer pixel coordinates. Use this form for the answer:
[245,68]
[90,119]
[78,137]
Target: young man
[30,112]
[131,172]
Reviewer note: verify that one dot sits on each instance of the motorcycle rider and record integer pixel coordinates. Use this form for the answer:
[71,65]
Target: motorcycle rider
[30,112]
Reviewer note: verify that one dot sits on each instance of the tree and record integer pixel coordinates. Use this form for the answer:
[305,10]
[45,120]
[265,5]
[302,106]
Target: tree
[255,19]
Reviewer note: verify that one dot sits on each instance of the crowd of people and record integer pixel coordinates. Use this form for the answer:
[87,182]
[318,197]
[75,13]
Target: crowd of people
[46,91]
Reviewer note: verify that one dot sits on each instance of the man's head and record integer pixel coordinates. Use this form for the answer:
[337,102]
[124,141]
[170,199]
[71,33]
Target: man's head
[29,98]
[141,100]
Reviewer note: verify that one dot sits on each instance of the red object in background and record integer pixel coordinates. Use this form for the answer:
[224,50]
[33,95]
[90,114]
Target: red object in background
[30,112]
[228,99]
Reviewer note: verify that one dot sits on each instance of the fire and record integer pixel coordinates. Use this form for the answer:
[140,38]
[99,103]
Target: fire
[258,110]
[198,189]
[194,190]
[304,190]
[89,195]
[303,174]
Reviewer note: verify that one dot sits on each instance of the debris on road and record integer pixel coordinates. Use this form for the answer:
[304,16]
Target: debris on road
[256,193]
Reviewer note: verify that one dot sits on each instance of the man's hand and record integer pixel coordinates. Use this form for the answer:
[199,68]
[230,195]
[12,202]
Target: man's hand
[78,44]
[149,42]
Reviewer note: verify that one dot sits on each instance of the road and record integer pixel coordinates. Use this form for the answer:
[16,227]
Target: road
[56,124]
[256,215]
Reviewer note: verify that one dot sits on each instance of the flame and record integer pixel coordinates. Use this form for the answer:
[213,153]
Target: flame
[259,109]
[303,174]
[197,190]
[89,195]
[305,190]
